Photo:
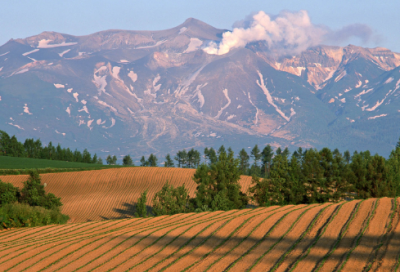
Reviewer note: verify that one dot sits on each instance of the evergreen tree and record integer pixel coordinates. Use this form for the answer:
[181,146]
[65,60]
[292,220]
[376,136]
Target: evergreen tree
[143,162]
[313,177]
[266,158]
[168,161]
[218,187]
[86,157]
[94,159]
[256,155]
[100,161]
[286,152]
[109,160]
[152,160]
[8,193]
[141,208]
[127,161]
[171,200]
[114,160]
[206,155]
[347,156]
[244,161]
[278,151]
[212,155]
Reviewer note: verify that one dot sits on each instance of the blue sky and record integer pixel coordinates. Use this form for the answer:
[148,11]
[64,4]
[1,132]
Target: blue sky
[23,18]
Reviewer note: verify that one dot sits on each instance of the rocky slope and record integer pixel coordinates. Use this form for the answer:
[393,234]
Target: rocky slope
[139,92]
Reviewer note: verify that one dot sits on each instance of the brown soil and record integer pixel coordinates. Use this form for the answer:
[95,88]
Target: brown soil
[270,259]
[322,247]
[349,238]
[236,238]
[276,233]
[391,249]
[371,237]
[308,238]
[106,194]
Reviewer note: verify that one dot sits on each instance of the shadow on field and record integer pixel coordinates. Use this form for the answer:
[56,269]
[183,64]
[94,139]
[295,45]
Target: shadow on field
[128,211]
[251,245]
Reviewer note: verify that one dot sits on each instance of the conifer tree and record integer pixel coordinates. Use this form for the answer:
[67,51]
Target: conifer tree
[266,158]
[141,208]
[127,161]
[143,161]
[168,161]
[212,155]
[256,155]
[109,160]
[152,160]
[244,161]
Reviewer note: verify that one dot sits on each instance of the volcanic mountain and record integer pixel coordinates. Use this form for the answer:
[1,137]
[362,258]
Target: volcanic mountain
[140,92]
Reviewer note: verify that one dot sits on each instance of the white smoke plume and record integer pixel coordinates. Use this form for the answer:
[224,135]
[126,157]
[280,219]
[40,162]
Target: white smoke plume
[286,33]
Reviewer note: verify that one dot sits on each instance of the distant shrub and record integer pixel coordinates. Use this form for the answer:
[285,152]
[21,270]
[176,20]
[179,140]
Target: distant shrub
[22,215]
[34,194]
[141,208]
[8,193]
[171,200]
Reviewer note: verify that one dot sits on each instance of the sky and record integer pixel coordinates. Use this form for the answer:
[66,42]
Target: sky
[24,18]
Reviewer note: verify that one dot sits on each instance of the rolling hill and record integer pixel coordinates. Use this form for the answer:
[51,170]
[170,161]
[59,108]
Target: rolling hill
[348,236]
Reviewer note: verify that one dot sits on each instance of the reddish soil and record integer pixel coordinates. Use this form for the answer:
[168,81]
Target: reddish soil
[322,247]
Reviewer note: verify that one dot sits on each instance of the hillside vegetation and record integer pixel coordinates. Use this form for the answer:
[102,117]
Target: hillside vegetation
[111,193]
[346,236]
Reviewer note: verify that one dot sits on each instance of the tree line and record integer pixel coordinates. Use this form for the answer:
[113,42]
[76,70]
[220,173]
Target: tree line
[10,146]
[280,178]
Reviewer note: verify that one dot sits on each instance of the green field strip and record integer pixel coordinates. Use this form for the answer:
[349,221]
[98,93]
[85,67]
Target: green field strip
[109,240]
[317,238]
[222,242]
[262,239]
[360,235]
[50,248]
[191,239]
[244,238]
[384,237]
[279,240]
[101,255]
[206,220]
[72,252]
[280,261]
[325,258]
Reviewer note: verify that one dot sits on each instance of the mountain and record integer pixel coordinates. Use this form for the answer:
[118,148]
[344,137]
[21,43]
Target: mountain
[141,92]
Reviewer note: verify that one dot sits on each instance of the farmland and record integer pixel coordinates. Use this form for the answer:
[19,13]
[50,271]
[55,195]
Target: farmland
[346,236]
[110,193]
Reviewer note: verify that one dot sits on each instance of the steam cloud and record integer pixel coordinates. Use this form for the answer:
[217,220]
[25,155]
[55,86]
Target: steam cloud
[286,33]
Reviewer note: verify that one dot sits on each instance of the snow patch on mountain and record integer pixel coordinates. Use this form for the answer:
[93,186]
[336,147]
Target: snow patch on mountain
[377,116]
[85,109]
[378,103]
[64,52]
[251,102]
[22,71]
[270,100]
[225,91]
[182,30]
[100,79]
[70,90]
[84,102]
[68,110]
[183,88]
[200,96]
[151,46]
[106,105]
[62,133]
[115,72]
[45,44]
[26,109]
[112,124]
[75,95]
[340,76]
[230,117]
[238,107]
[16,126]
[363,92]
[156,87]
[4,54]
[348,90]
[343,100]
[358,85]
[89,123]
[194,45]
[30,52]
[390,79]
[132,76]
[59,86]
[124,61]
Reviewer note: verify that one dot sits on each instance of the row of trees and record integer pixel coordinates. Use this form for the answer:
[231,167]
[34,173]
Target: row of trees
[304,177]
[10,146]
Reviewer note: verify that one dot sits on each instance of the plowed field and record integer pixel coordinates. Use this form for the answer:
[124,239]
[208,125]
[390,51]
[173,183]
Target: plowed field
[347,236]
[111,193]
